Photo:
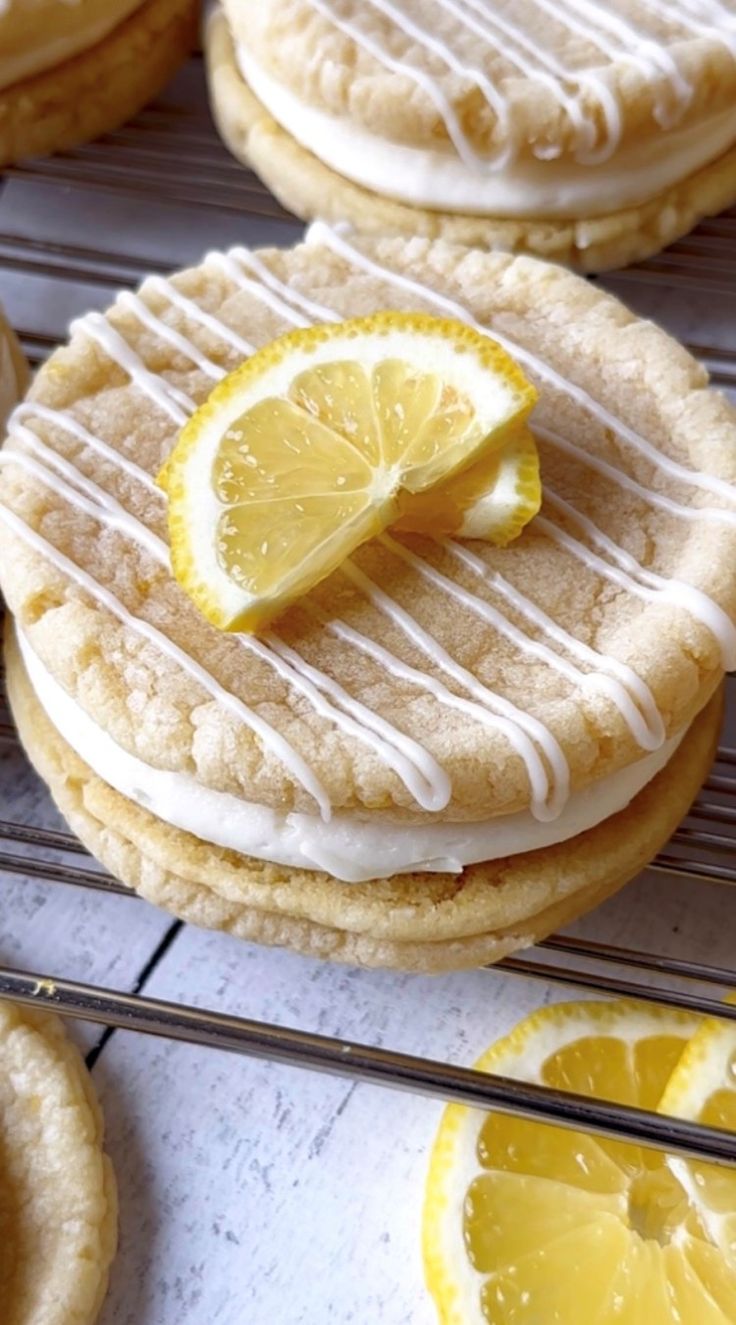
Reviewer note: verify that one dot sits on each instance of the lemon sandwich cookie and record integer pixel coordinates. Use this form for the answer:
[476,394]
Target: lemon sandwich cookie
[445,747]
[592,134]
[58,1204]
[72,71]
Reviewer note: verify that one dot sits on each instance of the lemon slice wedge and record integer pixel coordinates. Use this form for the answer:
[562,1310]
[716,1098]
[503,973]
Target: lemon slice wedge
[526,1223]
[703,1089]
[493,500]
[317,443]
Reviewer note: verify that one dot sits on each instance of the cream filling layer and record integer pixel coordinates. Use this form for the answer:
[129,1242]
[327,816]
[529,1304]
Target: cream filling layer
[527,186]
[352,848]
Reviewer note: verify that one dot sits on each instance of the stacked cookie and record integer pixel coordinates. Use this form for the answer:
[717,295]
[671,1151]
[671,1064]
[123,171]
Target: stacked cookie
[446,749]
[69,72]
[589,134]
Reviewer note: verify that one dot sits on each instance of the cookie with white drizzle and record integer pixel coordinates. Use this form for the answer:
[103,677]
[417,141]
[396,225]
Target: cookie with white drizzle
[70,72]
[443,749]
[58,1203]
[589,135]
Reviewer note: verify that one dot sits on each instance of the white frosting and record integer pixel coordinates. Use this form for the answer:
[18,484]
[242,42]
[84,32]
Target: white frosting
[525,186]
[353,849]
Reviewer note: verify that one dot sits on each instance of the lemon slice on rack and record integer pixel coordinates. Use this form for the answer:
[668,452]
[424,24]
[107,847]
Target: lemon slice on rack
[526,1223]
[493,500]
[703,1089]
[319,442]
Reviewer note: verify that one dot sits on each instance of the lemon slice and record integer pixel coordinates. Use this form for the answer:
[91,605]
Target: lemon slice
[493,500]
[527,1224]
[703,1089]
[319,442]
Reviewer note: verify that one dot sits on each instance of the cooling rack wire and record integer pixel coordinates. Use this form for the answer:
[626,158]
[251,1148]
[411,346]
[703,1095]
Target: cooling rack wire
[75,227]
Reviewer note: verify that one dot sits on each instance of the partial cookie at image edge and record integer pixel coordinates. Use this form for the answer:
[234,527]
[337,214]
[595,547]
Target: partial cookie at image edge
[63,1218]
[312,190]
[102,87]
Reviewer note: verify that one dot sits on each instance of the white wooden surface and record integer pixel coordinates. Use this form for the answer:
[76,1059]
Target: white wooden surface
[253,1194]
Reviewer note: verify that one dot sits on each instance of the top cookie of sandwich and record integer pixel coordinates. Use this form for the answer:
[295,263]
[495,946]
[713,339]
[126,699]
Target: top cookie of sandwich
[541,109]
[596,635]
[539,75]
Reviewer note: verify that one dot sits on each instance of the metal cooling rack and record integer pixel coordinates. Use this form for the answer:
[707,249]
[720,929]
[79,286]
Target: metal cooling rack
[151,196]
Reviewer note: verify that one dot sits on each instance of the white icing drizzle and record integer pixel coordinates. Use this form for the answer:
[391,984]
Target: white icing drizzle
[232,269]
[545,803]
[703,608]
[582,121]
[167,290]
[62,419]
[404,671]
[639,580]
[718,13]
[724,33]
[321,233]
[616,38]
[81,492]
[135,305]
[423,777]
[628,692]
[537,730]
[644,53]
[652,498]
[442,51]
[271,739]
[169,398]
[446,111]
[420,773]
[316,312]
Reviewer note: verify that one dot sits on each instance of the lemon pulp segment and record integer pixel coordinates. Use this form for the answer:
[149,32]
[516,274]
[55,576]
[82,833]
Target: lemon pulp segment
[320,441]
[529,1224]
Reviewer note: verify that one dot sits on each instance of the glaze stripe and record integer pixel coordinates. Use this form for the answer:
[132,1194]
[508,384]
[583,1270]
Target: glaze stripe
[62,419]
[271,739]
[544,800]
[614,36]
[702,608]
[583,122]
[133,304]
[420,773]
[629,692]
[167,290]
[169,398]
[226,264]
[447,114]
[320,232]
[314,311]
[537,730]
[652,498]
